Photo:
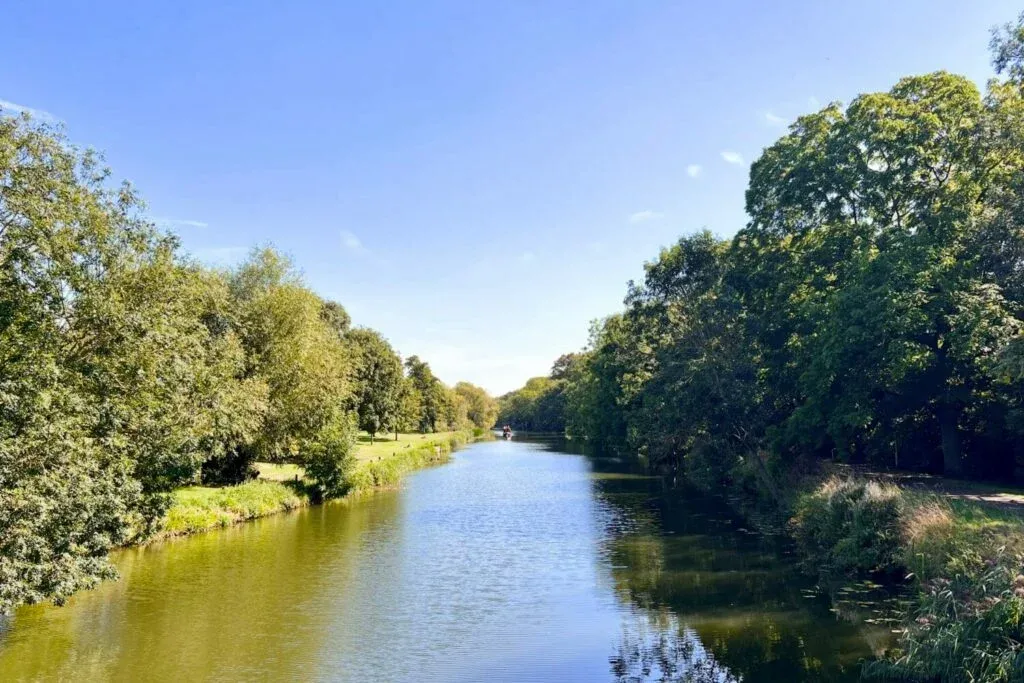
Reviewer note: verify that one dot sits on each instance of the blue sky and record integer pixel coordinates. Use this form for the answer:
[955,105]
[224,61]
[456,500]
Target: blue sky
[477,180]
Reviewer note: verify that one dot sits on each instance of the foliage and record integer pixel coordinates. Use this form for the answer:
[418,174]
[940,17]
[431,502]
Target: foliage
[481,409]
[377,379]
[869,312]
[851,527]
[329,459]
[196,509]
[128,371]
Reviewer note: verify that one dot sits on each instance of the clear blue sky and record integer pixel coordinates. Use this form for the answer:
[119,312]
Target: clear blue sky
[477,180]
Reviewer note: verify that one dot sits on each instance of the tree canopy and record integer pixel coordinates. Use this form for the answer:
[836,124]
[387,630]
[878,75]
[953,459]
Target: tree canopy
[128,370]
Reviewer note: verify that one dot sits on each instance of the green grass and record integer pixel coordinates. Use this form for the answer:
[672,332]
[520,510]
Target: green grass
[282,486]
[272,471]
[964,620]
[200,508]
[385,445]
[384,463]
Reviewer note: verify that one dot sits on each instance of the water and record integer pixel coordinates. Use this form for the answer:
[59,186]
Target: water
[515,562]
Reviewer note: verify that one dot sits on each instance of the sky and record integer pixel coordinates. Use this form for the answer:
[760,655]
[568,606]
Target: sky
[476,180]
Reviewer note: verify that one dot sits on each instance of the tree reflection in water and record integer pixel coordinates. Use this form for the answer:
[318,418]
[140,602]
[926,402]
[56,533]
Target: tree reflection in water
[707,600]
[667,655]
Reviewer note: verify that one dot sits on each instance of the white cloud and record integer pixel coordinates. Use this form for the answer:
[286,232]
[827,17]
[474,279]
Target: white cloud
[814,103]
[351,242]
[732,157]
[179,223]
[11,107]
[774,119]
[221,256]
[694,170]
[645,215]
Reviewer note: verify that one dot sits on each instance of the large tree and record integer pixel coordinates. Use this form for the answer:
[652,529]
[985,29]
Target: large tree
[481,409]
[377,381]
[113,389]
[861,261]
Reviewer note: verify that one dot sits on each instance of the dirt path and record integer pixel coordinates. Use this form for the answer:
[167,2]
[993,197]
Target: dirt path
[1005,497]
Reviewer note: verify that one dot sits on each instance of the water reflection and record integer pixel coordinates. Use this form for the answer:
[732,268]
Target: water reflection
[713,601]
[516,562]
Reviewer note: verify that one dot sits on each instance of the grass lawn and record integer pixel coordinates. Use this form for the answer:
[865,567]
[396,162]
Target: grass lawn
[385,446]
[272,471]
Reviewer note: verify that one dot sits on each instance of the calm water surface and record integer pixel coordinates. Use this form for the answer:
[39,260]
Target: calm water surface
[515,562]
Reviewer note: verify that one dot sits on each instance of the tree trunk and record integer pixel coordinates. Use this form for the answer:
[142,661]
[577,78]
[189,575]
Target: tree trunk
[371,438]
[766,478]
[952,458]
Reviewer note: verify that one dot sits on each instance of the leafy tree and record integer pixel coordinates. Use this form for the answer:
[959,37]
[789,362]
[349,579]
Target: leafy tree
[430,394]
[112,389]
[481,409]
[377,380]
[878,211]
[336,317]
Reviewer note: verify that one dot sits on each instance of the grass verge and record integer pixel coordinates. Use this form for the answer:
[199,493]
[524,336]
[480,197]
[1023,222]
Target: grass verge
[963,561]
[282,487]
[201,508]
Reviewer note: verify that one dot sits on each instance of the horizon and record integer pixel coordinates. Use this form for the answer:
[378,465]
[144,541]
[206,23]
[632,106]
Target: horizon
[476,183]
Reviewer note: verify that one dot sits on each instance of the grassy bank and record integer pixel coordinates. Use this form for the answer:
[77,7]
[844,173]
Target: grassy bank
[201,508]
[384,463]
[962,560]
[282,487]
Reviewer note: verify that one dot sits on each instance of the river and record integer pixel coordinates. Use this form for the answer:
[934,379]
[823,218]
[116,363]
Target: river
[517,561]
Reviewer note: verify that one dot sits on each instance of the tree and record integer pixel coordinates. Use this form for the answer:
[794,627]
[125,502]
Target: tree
[336,317]
[481,409]
[292,349]
[112,389]
[878,210]
[377,381]
[430,393]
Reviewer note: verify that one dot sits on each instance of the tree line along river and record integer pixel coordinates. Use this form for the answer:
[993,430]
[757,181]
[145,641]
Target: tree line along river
[517,561]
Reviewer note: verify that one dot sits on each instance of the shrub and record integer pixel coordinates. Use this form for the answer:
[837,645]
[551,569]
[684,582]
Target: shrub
[330,458]
[851,527]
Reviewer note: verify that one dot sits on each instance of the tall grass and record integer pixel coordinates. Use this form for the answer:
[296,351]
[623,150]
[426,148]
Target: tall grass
[201,508]
[848,526]
[964,562]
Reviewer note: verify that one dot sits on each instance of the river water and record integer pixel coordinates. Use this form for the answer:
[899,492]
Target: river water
[517,561]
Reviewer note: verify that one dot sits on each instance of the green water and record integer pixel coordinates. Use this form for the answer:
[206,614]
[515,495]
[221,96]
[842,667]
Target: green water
[515,562]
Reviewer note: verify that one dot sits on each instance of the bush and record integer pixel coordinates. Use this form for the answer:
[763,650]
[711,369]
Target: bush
[330,458]
[851,527]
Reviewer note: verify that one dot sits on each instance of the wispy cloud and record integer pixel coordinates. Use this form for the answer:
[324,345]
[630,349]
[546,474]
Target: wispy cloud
[179,223]
[14,108]
[527,257]
[694,170]
[732,157]
[350,242]
[774,119]
[814,103]
[645,215]
[221,256]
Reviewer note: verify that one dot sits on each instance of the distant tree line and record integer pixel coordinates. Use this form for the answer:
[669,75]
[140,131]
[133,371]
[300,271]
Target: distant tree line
[871,311]
[127,370]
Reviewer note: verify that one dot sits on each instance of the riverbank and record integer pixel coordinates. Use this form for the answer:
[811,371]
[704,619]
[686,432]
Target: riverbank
[958,549]
[283,487]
